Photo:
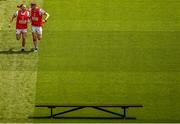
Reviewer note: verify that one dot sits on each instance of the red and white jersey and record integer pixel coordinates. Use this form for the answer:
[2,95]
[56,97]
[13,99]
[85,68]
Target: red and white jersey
[22,19]
[36,16]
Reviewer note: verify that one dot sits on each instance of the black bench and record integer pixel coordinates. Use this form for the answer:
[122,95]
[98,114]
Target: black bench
[75,107]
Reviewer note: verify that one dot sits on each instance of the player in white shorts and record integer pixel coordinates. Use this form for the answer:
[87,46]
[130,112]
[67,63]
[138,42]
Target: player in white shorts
[37,23]
[22,16]
[38,30]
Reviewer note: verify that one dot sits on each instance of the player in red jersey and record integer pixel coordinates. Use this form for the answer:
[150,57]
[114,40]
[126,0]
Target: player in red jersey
[22,16]
[37,23]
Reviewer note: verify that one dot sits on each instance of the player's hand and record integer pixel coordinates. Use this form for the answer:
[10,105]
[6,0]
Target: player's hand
[44,21]
[9,25]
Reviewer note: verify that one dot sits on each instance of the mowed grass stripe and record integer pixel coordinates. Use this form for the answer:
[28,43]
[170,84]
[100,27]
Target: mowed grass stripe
[81,71]
[115,15]
[116,51]
[18,72]
[112,51]
[2,8]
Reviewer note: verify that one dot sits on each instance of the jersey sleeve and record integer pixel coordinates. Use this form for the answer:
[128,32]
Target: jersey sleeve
[16,14]
[29,9]
[42,12]
[28,13]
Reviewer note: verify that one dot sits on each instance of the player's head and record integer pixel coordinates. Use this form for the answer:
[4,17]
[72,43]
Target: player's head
[33,5]
[23,7]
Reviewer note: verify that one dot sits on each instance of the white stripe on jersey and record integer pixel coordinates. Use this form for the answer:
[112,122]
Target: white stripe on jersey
[16,14]
[42,12]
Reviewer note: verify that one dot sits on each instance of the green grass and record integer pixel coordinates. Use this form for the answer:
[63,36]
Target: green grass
[112,51]
[99,51]
[18,71]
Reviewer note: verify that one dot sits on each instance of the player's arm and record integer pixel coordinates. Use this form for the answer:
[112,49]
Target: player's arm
[29,15]
[47,16]
[12,19]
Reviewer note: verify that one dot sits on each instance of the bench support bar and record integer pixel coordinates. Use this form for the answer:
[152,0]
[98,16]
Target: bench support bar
[59,115]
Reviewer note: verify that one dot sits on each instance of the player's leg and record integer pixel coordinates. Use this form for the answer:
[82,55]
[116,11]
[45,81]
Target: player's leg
[34,36]
[24,35]
[35,40]
[39,33]
[18,34]
[39,36]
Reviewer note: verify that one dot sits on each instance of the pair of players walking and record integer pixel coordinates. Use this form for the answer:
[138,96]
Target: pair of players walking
[35,15]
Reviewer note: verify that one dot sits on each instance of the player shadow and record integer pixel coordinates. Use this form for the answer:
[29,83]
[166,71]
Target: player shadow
[13,51]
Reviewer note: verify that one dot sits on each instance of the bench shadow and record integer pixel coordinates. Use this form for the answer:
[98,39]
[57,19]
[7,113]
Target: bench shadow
[13,51]
[79,117]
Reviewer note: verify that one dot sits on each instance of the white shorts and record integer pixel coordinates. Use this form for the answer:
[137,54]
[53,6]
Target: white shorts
[19,31]
[36,29]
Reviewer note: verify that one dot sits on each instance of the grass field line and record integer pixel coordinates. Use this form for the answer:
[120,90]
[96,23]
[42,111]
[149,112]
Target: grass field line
[18,72]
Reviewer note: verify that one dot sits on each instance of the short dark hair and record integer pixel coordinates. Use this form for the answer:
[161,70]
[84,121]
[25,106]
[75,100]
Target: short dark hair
[33,3]
[19,6]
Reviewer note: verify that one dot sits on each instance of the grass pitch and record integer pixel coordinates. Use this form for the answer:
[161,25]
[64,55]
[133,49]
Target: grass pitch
[110,51]
[18,72]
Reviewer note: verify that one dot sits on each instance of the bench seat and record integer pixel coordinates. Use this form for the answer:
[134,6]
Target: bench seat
[75,107]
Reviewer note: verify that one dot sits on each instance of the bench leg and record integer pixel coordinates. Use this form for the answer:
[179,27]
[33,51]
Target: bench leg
[45,117]
[51,109]
[125,114]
